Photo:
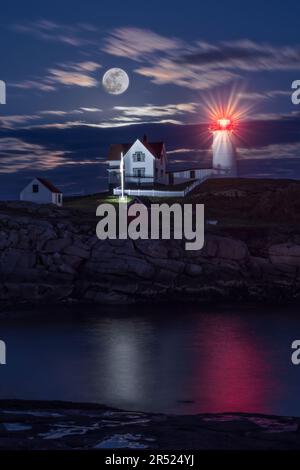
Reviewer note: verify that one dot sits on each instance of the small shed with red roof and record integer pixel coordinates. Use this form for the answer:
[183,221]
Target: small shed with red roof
[42,191]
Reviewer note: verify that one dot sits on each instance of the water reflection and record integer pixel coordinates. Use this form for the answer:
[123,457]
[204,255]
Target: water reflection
[233,368]
[189,362]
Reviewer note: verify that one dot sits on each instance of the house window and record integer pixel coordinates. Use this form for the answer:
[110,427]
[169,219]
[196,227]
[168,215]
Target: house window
[138,172]
[35,188]
[192,174]
[138,157]
[59,198]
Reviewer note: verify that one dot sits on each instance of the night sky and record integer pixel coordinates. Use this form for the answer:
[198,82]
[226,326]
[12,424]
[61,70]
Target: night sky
[181,57]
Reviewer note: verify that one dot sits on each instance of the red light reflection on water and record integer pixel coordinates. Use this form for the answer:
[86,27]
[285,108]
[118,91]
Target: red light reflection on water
[233,370]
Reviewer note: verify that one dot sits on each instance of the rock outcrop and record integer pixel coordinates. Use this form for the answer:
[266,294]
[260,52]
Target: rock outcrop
[40,425]
[51,255]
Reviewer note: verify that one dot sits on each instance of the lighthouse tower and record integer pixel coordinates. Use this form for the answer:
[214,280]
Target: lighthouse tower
[223,148]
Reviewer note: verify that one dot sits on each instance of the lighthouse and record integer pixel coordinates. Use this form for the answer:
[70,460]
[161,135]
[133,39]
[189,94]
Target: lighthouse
[223,148]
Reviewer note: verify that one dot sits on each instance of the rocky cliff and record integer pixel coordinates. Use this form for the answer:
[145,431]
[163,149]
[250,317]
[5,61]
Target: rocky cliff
[49,254]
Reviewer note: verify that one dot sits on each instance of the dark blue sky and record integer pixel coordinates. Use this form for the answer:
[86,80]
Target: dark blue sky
[58,120]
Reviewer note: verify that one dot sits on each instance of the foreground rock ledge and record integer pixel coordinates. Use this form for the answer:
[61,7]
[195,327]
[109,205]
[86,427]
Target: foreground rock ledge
[50,254]
[68,426]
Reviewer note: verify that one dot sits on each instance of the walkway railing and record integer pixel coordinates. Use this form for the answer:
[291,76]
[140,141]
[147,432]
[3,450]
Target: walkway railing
[161,193]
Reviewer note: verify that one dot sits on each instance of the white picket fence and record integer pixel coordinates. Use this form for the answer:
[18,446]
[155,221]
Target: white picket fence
[160,193]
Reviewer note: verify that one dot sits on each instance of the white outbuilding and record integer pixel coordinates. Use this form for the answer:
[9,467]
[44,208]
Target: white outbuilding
[41,191]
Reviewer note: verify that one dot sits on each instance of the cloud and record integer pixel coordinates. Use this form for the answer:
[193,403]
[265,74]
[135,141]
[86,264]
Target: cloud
[25,120]
[17,154]
[70,74]
[129,115]
[126,116]
[181,150]
[293,117]
[73,74]
[56,125]
[126,119]
[11,120]
[159,56]
[114,122]
[197,65]
[119,122]
[88,66]
[34,84]
[242,55]
[165,71]
[71,78]
[81,34]
[60,112]
[135,43]
[157,111]
[91,110]
[53,112]
[262,96]
[272,151]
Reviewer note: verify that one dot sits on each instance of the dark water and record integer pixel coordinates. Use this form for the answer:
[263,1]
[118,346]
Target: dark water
[186,362]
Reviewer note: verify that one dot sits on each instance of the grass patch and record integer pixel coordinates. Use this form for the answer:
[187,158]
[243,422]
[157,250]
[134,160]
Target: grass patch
[90,203]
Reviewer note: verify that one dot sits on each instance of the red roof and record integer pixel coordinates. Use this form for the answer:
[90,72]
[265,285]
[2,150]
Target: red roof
[49,185]
[115,150]
[155,148]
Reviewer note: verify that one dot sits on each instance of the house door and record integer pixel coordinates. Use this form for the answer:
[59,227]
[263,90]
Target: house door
[139,173]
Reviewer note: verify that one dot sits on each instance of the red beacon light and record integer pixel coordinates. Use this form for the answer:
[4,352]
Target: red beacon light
[223,124]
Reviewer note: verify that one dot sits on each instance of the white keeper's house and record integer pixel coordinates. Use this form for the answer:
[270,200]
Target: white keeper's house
[42,191]
[145,163]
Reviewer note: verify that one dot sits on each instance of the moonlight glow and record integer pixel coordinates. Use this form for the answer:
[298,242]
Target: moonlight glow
[115,81]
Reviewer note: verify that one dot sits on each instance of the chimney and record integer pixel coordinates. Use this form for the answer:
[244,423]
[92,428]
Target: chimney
[145,139]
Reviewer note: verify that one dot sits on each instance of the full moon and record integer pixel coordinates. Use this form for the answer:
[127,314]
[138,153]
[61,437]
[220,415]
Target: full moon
[115,81]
